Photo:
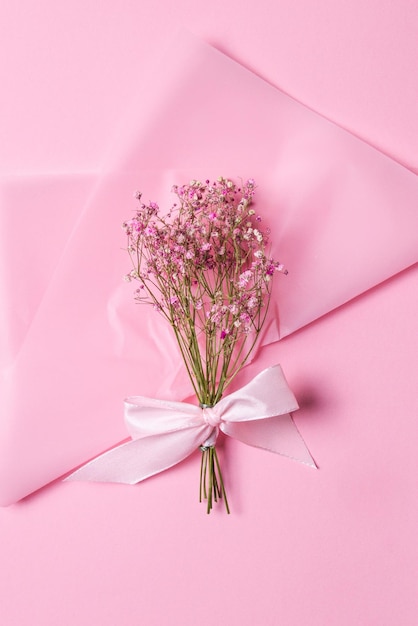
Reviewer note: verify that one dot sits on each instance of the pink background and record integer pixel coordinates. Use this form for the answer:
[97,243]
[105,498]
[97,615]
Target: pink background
[337,546]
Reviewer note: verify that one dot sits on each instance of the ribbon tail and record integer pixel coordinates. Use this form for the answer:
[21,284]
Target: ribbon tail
[139,459]
[276,434]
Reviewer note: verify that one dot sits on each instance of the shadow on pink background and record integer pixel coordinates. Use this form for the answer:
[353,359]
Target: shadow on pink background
[332,547]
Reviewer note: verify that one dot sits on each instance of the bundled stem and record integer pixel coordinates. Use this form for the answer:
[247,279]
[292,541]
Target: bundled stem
[211,481]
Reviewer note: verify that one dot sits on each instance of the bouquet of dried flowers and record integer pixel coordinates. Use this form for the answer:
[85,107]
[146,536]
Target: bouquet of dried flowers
[205,267]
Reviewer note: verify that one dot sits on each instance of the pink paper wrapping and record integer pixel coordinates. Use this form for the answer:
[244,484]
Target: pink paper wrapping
[343,218]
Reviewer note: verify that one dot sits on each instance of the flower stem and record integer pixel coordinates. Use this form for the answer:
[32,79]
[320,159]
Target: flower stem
[211,482]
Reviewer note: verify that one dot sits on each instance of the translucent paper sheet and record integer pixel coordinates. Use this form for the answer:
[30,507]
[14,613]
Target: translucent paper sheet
[343,218]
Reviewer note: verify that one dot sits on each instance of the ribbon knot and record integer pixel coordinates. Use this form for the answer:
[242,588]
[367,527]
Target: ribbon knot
[211,416]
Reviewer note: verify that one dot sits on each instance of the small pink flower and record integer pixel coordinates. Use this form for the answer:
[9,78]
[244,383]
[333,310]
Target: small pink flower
[245,278]
[150,230]
[252,302]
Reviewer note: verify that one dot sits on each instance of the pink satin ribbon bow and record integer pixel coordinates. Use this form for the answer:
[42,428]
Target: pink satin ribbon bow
[164,433]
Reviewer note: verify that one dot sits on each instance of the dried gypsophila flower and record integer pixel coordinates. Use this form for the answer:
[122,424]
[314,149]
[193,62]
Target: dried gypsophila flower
[204,266]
